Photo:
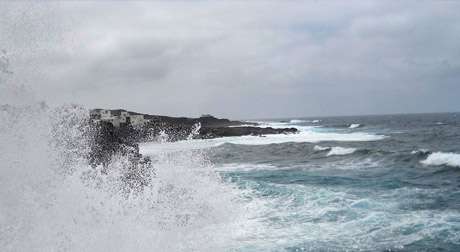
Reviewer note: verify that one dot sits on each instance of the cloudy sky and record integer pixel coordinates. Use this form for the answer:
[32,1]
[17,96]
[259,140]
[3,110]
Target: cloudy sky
[238,59]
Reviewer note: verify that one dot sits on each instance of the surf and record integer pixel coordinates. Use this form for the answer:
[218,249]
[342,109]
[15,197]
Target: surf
[442,158]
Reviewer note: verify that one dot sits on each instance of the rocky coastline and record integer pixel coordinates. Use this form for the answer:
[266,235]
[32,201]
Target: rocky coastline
[144,127]
[122,138]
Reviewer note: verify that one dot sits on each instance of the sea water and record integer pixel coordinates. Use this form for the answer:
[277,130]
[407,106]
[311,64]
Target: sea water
[362,183]
[390,184]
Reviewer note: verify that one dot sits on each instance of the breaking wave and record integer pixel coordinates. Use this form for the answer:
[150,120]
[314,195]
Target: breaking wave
[333,151]
[442,158]
[320,148]
[45,173]
[301,137]
[340,151]
[354,125]
[421,152]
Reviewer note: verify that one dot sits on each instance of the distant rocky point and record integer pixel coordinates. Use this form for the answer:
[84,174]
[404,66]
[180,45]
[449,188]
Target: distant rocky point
[120,131]
[121,117]
[145,127]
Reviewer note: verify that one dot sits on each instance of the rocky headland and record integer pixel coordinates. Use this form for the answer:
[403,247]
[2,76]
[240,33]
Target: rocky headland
[144,127]
[120,131]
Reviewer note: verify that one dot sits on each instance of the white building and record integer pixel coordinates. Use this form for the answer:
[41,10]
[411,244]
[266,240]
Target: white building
[137,120]
[123,116]
[118,117]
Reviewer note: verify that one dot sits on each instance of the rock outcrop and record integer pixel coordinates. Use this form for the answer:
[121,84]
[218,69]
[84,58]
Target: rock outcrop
[123,139]
[177,128]
[213,132]
[108,142]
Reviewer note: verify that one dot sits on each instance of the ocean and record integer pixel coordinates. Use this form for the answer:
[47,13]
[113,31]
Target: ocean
[356,183]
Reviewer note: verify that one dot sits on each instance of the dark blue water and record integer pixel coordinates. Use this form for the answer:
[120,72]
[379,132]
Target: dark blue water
[398,193]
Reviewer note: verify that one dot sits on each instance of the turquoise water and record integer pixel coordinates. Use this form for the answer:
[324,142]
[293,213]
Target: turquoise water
[378,183]
[398,193]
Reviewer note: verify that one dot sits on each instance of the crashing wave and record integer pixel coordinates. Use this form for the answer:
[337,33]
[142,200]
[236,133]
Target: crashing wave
[248,167]
[297,121]
[321,148]
[340,151]
[420,152]
[179,205]
[301,137]
[354,125]
[442,158]
[335,151]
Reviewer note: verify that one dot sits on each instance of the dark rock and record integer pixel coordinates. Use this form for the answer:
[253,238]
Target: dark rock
[176,128]
[213,132]
[109,141]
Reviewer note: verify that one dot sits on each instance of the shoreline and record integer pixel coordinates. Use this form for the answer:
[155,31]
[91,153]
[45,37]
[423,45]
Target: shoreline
[121,131]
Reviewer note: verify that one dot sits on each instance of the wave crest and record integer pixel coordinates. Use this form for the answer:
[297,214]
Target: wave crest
[45,171]
[442,158]
[335,151]
[339,151]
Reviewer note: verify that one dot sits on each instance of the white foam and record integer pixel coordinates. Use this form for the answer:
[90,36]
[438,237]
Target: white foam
[335,150]
[316,121]
[297,121]
[301,137]
[44,173]
[377,224]
[340,151]
[320,148]
[246,167]
[264,124]
[354,125]
[243,125]
[421,151]
[442,158]
[280,125]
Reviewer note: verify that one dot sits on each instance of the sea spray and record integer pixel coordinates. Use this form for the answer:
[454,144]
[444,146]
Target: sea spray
[441,158]
[52,199]
[335,151]
[354,125]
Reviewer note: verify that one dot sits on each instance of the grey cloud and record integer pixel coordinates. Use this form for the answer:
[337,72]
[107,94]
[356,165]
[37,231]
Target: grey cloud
[245,59]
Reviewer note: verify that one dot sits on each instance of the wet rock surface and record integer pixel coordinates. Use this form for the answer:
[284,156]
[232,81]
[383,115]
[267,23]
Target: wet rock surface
[110,140]
[213,132]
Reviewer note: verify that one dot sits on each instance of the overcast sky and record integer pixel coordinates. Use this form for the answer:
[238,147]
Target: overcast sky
[240,59]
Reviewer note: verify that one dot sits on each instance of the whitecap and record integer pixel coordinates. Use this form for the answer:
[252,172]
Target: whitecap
[335,150]
[297,121]
[44,171]
[442,158]
[246,167]
[309,136]
[354,125]
[301,137]
[243,125]
[420,151]
[340,151]
[282,125]
[320,148]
